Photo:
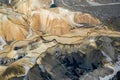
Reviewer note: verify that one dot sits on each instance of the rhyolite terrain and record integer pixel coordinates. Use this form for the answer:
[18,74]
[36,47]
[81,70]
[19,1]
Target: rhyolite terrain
[59,40]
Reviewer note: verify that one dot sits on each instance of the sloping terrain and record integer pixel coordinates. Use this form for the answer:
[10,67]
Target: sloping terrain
[77,40]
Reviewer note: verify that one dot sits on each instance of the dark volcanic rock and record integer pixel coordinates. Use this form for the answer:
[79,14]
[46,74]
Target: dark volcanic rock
[64,64]
[107,1]
[117,76]
[109,14]
[35,73]
[68,62]
[17,78]
[4,1]
[100,72]
[104,11]
[6,61]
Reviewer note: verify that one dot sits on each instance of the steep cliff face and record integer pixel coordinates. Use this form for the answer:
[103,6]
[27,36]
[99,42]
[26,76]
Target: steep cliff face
[67,42]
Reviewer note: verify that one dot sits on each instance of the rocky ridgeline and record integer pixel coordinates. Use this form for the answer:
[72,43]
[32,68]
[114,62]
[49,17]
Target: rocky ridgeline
[43,43]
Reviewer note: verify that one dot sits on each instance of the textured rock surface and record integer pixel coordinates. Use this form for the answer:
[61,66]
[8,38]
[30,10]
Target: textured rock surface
[117,76]
[70,42]
[12,25]
[109,14]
